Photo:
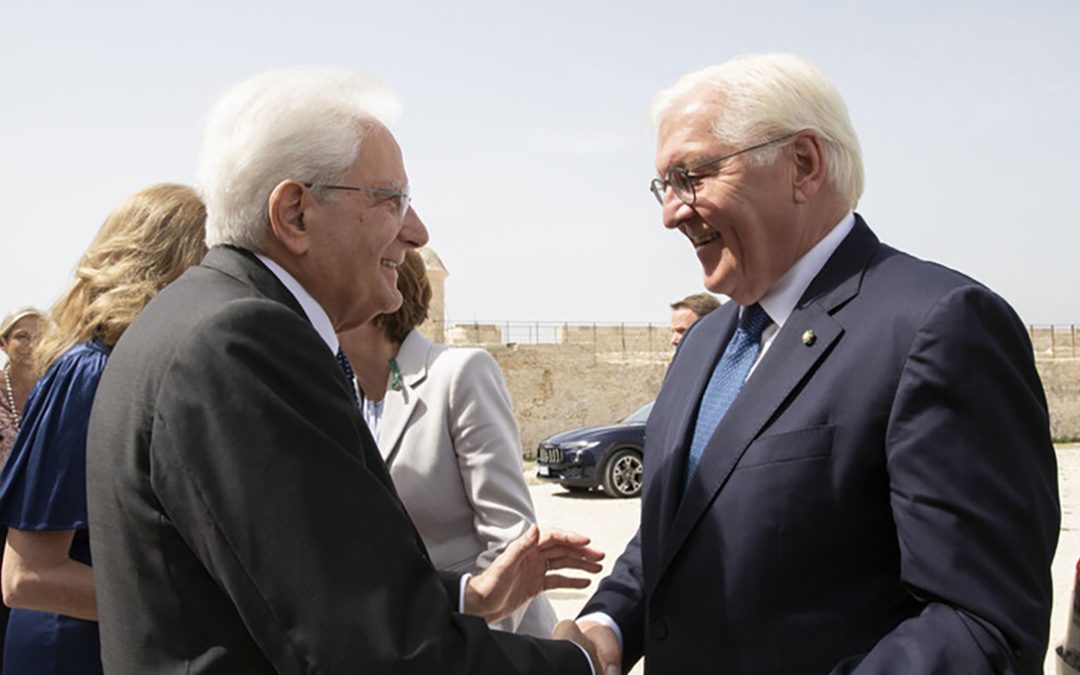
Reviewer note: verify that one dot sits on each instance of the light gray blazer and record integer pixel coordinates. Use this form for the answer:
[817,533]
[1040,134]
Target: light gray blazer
[450,441]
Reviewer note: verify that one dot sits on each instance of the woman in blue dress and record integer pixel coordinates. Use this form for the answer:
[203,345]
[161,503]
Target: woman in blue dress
[143,245]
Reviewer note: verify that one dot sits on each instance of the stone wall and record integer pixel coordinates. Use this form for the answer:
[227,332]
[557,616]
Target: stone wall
[556,387]
[560,387]
[599,374]
[1061,380]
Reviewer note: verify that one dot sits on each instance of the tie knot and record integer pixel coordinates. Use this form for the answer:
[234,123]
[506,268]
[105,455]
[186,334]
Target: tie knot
[754,320]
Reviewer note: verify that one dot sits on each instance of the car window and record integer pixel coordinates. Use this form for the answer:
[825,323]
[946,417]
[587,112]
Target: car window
[640,415]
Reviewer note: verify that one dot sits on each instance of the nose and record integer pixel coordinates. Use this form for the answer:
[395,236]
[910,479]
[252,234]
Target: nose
[675,338]
[675,210]
[413,231]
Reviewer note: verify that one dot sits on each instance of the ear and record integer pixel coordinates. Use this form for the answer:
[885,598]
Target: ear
[286,208]
[810,169]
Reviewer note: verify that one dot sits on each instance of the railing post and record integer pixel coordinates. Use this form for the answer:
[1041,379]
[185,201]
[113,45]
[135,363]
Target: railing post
[1053,343]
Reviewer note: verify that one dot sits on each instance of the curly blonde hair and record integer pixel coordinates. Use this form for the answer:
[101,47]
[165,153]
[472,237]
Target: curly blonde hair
[145,243]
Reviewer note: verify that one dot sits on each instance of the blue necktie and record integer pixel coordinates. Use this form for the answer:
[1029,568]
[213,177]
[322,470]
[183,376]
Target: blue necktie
[346,368]
[726,381]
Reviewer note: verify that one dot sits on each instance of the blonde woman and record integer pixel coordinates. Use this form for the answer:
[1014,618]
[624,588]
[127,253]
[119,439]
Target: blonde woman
[445,427]
[143,245]
[18,331]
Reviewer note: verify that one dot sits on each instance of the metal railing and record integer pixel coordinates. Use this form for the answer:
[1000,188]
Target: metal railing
[1049,341]
[1055,341]
[600,336]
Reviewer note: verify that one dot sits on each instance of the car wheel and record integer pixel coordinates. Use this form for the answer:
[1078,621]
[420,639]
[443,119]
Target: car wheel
[577,488]
[622,473]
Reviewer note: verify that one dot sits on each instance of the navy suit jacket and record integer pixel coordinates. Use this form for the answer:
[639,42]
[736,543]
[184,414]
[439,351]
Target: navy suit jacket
[880,499]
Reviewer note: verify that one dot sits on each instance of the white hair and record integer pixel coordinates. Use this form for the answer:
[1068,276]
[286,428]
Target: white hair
[304,124]
[766,96]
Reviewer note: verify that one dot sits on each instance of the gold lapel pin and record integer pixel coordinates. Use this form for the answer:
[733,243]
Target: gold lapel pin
[808,338]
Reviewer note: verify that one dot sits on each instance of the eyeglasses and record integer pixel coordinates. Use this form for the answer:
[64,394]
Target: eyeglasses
[681,179]
[401,196]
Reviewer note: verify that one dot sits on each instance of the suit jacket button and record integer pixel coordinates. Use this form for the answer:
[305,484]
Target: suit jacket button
[658,630]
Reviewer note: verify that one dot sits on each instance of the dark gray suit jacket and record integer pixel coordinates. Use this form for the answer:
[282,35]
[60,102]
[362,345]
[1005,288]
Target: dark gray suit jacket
[881,499]
[241,518]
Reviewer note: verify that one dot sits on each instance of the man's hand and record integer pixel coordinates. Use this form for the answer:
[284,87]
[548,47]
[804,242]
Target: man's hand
[568,630]
[523,570]
[605,646]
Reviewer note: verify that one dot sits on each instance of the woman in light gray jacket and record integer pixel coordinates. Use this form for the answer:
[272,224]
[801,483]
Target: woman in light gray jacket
[445,427]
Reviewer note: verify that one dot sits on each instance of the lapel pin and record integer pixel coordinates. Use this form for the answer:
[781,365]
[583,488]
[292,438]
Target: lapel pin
[808,338]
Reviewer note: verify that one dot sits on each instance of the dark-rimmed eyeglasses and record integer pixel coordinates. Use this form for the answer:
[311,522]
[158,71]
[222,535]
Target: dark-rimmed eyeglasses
[681,179]
[400,196]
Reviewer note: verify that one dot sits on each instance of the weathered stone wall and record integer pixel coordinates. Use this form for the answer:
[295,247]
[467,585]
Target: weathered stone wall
[1061,380]
[560,387]
[599,374]
[556,387]
[1055,341]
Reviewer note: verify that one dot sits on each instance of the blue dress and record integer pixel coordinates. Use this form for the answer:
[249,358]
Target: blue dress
[43,487]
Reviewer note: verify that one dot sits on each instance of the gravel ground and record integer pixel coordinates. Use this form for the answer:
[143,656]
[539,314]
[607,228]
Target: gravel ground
[611,523]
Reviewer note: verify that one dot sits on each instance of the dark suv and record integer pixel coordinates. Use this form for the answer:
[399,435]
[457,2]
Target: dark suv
[581,459]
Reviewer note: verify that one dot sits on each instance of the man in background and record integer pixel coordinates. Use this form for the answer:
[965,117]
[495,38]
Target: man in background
[688,310]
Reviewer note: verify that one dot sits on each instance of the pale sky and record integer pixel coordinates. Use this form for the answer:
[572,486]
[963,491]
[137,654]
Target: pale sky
[526,136]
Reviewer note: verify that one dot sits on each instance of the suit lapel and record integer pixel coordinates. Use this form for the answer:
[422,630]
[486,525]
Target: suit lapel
[777,376]
[412,360]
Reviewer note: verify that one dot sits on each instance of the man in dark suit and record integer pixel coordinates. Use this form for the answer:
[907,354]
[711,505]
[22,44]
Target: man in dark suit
[241,516]
[849,468]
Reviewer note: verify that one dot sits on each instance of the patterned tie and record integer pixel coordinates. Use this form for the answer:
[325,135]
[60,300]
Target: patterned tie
[346,368]
[726,381]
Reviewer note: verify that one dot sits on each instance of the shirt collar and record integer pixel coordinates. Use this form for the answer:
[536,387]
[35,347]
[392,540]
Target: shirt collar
[318,317]
[780,300]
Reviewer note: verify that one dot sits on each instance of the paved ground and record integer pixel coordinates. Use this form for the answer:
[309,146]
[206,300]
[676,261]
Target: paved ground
[1068,551]
[611,523]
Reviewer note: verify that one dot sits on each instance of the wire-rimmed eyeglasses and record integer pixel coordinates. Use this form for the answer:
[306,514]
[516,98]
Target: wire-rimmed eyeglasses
[400,196]
[681,179]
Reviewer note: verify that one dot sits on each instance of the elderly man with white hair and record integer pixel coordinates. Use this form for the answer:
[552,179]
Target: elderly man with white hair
[243,520]
[849,468]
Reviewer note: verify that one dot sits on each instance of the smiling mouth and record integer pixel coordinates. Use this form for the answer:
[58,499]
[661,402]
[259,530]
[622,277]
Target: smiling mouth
[391,264]
[706,236]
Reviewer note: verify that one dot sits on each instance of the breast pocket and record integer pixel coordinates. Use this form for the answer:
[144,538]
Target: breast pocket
[789,446]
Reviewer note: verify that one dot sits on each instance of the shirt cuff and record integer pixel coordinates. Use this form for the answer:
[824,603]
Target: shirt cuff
[603,620]
[606,620]
[461,592]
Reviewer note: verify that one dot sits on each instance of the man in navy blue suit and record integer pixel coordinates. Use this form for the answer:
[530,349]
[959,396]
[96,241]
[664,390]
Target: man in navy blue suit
[849,468]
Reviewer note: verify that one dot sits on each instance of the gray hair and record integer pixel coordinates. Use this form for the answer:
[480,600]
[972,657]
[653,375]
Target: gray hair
[765,96]
[304,124]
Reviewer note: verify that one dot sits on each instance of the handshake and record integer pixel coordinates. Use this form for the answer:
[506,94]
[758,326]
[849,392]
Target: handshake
[526,568]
